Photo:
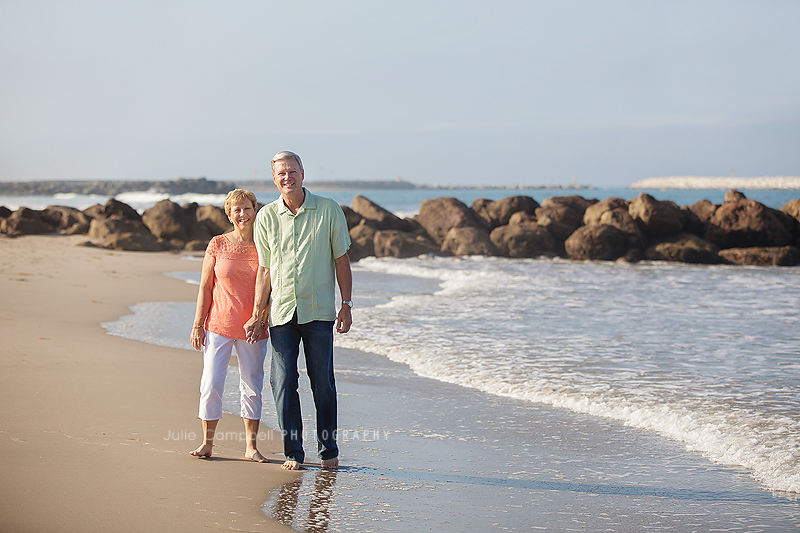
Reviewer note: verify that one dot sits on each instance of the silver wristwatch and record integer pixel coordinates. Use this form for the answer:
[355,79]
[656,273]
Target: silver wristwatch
[348,302]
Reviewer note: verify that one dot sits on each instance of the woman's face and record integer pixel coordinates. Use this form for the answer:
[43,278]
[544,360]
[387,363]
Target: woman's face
[243,215]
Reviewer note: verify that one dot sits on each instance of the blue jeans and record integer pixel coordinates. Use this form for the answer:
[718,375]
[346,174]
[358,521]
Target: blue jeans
[317,340]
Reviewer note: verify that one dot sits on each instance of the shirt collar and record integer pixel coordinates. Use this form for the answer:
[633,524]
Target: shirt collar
[310,202]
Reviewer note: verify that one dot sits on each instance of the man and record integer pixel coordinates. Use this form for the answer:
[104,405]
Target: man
[302,241]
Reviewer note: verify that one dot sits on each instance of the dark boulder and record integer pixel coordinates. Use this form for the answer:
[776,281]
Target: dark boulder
[763,256]
[562,215]
[166,220]
[468,241]
[686,248]
[351,217]
[25,221]
[621,219]
[123,234]
[498,213]
[703,210]
[393,243]
[214,219]
[601,242]
[746,223]
[657,219]
[593,213]
[69,220]
[363,238]
[381,218]
[523,240]
[440,215]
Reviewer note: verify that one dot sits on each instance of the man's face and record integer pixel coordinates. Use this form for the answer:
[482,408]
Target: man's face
[288,176]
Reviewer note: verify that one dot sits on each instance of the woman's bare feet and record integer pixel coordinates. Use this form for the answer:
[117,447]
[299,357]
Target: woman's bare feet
[255,455]
[290,465]
[203,451]
[330,464]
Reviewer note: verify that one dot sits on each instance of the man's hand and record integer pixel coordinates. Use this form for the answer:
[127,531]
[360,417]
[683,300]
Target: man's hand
[344,319]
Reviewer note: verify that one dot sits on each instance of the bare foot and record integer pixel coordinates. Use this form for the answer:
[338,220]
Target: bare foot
[255,455]
[331,464]
[203,451]
[290,465]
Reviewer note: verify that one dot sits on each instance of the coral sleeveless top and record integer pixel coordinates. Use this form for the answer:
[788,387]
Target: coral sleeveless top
[233,290]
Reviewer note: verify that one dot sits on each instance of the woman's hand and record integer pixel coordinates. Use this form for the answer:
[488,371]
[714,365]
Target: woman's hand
[198,338]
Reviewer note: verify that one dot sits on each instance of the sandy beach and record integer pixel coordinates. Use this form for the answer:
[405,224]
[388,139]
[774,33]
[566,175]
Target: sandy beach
[96,428]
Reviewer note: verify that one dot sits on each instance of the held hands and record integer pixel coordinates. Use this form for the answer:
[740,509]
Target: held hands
[344,319]
[253,330]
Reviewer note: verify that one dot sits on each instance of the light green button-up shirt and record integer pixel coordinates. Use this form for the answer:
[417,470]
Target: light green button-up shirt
[299,250]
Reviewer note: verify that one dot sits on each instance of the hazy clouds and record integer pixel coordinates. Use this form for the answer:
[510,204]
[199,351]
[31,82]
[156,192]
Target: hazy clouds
[605,93]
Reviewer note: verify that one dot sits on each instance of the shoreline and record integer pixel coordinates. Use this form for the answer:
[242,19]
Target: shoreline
[88,416]
[421,452]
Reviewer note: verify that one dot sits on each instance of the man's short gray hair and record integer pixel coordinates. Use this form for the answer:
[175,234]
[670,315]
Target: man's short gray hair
[280,156]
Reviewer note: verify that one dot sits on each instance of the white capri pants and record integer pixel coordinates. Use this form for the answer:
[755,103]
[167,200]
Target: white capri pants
[216,357]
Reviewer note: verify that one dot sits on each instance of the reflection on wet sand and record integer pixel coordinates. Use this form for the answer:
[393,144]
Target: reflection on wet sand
[284,506]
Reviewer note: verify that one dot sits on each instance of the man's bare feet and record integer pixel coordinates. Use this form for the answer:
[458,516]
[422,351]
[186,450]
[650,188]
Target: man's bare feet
[331,464]
[255,455]
[290,465]
[203,451]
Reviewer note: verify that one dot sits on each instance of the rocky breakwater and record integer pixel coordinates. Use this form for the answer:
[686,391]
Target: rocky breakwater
[739,231]
[117,226]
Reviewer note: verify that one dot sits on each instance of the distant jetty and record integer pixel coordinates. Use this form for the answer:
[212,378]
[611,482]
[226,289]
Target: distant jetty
[710,183]
[205,186]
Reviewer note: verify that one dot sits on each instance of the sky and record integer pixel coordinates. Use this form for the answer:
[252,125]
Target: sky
[603,93]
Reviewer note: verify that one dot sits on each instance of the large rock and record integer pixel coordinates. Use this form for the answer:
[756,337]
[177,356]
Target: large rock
[657,219]
[498,213]
[746,223]
[562,215]
[691,222]
[123,234]
[440,215]
[351,217]
[5,212]
[25,221]
[601,242]
[763,256]
[113,208]
[593,213]
[523,240]
[363,236]
[380,217]
[69,220]
[792,208]
[704,210]
[686,248]
[468,241]
[167,220]
[213,218]
[621,219]
[393,243]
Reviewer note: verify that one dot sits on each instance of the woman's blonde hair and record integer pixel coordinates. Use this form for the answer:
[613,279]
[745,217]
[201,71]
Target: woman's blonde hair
[236,196]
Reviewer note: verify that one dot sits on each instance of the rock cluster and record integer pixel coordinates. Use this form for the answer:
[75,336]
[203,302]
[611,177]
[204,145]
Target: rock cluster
[117,226]
[739,231]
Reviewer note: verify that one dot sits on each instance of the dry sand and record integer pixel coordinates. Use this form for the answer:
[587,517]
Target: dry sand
[89,420]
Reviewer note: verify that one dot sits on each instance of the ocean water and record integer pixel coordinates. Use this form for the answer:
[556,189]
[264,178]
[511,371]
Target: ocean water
[708,356]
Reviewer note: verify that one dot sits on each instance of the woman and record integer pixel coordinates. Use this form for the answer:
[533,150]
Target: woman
[224,304]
